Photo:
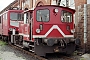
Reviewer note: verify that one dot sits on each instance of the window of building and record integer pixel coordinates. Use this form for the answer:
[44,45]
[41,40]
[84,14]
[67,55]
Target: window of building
[43,15]
[66,16]
[28,2]
[22,5]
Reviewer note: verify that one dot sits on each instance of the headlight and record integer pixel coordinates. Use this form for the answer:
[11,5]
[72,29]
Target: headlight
[72,31]
[56,10]
[37,30]
[10,29]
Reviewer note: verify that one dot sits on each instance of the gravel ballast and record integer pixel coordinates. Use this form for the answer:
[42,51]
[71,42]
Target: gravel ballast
[9,53]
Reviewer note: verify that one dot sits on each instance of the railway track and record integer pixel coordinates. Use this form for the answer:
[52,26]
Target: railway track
[29,53]
[49,56]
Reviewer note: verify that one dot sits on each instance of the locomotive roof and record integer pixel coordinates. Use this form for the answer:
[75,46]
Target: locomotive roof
[56,6]
[11,11]
[15,10]
[50,6]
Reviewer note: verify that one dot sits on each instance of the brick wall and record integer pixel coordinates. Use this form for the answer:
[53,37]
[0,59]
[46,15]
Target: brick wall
[80,2]
[79,29]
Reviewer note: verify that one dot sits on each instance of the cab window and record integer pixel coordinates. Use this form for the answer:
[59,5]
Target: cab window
[42,15]
[66,17]
[15,16]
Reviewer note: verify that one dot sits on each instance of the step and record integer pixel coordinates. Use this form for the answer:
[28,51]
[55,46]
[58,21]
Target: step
[19,46]
[31,45]
[31,51]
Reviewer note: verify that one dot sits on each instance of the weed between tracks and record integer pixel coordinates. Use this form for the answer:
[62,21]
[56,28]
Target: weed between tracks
[2,43]
[0,59]
[82,59]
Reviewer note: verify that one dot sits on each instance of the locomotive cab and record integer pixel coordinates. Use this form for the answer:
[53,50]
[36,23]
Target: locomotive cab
[53,29]
[15,18]
[53,17]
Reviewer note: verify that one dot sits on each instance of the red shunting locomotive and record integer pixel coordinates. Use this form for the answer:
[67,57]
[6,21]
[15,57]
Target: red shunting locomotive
[46,29]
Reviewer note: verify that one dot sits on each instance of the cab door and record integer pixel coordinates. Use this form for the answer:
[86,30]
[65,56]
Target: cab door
[27,26]
[41,22]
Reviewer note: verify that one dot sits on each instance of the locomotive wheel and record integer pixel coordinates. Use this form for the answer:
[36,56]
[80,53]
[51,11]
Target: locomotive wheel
[25,45]
[9,39]
[5,38]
